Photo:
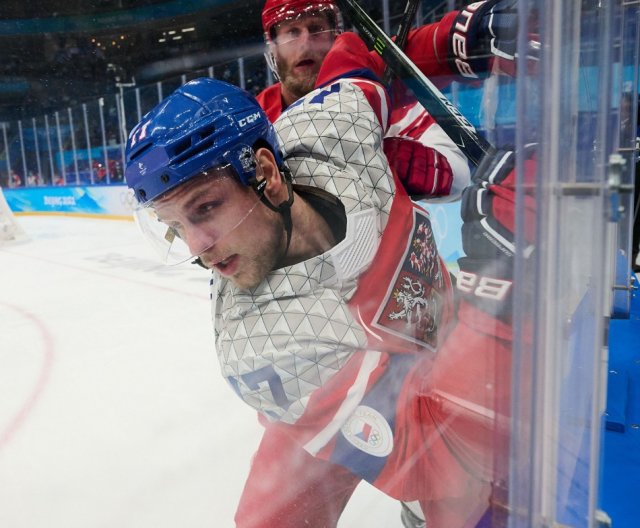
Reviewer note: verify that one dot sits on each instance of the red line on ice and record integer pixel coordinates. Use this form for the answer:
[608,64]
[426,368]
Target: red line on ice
[47,340]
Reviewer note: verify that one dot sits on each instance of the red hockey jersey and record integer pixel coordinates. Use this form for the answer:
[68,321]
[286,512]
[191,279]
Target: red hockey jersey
[427,47]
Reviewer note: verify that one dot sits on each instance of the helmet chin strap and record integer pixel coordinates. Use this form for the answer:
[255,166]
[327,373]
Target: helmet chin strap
[283,208]
[199,262]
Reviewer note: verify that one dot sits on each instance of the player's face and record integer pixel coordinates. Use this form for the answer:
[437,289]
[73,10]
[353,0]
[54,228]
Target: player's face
[224,224]
[299,47]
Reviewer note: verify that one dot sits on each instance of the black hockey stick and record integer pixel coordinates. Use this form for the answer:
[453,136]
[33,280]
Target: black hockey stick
[455,125]
[403,32]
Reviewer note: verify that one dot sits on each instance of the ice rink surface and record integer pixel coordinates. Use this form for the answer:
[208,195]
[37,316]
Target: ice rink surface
[113,412]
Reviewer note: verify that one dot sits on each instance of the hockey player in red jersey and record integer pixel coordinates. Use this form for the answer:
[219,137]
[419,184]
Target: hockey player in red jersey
[329,298]
[299,33]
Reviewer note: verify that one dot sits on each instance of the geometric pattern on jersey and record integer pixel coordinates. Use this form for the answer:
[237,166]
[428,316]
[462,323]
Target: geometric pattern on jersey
[281,341]
[277,343]
[339,126]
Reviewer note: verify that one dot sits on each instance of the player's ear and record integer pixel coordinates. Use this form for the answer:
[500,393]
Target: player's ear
[276,188]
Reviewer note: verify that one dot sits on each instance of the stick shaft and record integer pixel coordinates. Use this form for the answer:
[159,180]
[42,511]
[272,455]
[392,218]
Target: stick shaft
[454,124]
[410,10]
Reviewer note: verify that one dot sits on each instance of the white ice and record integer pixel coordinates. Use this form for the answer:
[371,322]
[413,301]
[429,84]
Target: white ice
[113,412]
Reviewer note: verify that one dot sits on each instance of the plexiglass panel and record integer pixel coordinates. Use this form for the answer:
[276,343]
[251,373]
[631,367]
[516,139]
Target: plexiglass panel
[500,385]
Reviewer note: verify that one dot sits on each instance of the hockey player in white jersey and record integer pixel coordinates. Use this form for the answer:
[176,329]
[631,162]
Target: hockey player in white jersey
[329,297]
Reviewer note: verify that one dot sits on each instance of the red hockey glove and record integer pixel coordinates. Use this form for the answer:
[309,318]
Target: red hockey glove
[482,33]
[488,212]
[423,171]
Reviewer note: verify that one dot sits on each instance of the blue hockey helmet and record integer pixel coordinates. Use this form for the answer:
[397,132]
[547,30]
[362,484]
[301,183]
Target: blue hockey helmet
[203,124]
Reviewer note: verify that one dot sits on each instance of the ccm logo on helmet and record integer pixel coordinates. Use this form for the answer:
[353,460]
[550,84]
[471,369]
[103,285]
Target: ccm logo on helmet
[459,40]
[243,122]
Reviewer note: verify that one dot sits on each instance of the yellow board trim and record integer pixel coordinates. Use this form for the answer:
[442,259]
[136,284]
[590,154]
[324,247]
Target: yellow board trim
[81,215]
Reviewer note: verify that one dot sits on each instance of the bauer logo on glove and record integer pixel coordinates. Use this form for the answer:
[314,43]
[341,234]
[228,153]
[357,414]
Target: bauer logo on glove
[488,212]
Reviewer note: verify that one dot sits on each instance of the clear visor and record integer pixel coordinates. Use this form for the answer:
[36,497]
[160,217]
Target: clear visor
[315,21]
[313,35]
[189,221]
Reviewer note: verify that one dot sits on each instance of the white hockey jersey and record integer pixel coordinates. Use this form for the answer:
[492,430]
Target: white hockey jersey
[307,344]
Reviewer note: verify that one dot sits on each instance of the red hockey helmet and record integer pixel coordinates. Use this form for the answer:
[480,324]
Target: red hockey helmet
[276,11]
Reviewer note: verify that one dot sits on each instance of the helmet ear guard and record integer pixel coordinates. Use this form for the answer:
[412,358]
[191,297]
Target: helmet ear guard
[259,186]
[259,183]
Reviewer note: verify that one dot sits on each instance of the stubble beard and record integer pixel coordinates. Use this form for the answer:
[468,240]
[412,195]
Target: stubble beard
[296,86]
[264,260]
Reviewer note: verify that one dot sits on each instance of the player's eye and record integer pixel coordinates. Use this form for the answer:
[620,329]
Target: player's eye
[205,211]
[316,28]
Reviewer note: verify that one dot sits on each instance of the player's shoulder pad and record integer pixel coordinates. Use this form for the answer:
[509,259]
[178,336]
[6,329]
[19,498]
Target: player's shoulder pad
[359,97]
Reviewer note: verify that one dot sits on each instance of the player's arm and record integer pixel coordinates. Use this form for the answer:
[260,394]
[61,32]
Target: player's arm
[349,59]
[431,171]
[465,44]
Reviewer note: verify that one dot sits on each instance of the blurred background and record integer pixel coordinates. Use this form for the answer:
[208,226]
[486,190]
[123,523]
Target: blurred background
[77,75]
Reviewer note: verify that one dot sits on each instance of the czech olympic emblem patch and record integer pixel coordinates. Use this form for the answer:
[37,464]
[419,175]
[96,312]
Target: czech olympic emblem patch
[368,431]
[414,304]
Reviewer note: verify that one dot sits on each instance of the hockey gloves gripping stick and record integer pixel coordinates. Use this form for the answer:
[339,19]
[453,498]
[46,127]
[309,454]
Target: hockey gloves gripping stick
[447,115]
[488,212]
[485,33]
